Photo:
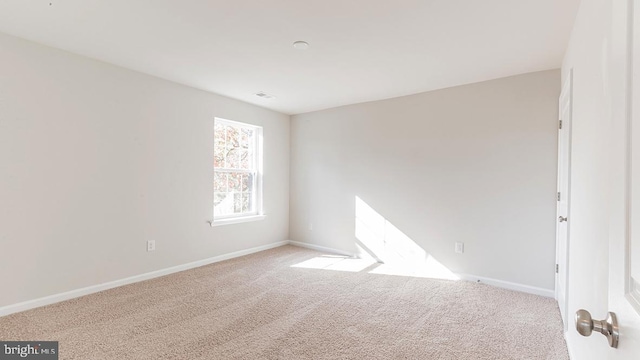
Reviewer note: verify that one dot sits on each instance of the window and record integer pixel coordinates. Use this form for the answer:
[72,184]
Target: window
[237,171]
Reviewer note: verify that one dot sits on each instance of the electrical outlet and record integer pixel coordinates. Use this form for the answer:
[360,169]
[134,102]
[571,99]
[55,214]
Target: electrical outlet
[310,226]
[151,245]
[459,247]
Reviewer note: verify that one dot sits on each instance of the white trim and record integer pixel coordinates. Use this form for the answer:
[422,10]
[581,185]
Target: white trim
[245,171]
[236,123]
[236,220]
[565,102]
[257,170]
[569,345]
[550,293]
[52,299]
[631,288]
[321,248]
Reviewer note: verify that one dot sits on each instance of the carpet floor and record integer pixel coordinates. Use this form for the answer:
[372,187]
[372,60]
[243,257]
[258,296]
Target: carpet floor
[269,306]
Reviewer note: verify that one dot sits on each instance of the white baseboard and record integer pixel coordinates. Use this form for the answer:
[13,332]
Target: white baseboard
[509,285]
[320,248]
[493,282]
[52,299]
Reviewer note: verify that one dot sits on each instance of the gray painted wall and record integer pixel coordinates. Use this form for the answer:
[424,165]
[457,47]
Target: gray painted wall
[95,160]
[473,164]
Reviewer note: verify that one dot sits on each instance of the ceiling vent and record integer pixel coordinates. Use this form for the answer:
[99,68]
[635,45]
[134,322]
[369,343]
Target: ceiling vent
[265,95]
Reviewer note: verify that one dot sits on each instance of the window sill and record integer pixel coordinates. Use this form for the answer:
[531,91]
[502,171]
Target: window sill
[237,220]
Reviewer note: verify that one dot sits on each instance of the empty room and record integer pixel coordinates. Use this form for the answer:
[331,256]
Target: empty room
[279,179]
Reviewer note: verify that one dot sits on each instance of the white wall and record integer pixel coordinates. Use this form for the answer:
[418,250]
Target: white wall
[95,160]
[475,164]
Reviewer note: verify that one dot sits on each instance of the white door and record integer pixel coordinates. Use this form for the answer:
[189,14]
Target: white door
[624,192]
[604,257]
[562,208]
[624,267]
[624,227]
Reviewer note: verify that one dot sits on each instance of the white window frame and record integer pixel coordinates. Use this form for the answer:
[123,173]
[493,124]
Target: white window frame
[257,214]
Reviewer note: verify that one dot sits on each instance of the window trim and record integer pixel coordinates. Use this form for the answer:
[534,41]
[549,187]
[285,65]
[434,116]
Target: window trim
[237,220]
[258,213]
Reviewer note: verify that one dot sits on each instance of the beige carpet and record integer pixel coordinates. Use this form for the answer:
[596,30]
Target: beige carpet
[260,307]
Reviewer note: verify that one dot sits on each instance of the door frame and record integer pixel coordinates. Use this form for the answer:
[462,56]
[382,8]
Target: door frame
[566,99]
[631,291]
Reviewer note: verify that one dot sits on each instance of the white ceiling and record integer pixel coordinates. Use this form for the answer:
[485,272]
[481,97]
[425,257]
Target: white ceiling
[361,50]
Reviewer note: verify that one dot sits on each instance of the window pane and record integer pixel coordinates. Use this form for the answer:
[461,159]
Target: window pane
[234,182]
[233,193]
[232,147]
[248,148]
[247,193]
[221,203]
[219,145]
[237,203]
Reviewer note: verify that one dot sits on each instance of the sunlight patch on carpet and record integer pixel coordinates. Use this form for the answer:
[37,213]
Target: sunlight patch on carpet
[337,263]
[431,269]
